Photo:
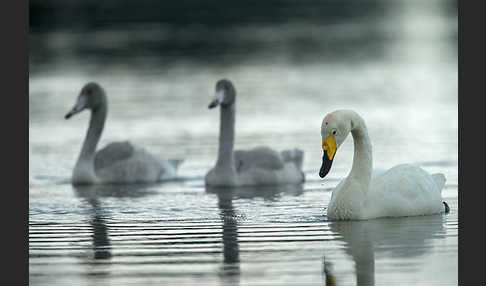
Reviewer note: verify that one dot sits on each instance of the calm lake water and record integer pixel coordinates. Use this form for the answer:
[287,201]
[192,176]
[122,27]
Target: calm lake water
[399,71]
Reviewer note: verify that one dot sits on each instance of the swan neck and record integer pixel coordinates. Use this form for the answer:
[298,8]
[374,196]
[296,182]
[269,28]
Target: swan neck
[362,159]
[226,137]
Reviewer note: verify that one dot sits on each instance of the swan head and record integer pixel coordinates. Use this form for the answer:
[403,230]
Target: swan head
[92,96]
[225,94]
[335,128]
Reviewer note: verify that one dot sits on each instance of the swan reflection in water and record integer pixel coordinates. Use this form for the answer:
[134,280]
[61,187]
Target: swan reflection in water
[230,271]
[93,195]
[400,238]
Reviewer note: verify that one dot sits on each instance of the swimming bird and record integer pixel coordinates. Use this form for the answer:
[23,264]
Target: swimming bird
[118,162]
[404,190]
[258,166]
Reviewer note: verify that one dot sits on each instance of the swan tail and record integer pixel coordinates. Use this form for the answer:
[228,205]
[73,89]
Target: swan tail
[447,209]
[439,180]
[295,156]
[176,162]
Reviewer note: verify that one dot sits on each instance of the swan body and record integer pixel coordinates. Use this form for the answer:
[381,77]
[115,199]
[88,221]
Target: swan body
[258,166]
[404,190]
[118,162]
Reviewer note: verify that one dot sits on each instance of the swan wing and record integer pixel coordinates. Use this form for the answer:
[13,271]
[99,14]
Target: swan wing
[295,156]
[404,190]
[128,163]
[258,157]
[113,153]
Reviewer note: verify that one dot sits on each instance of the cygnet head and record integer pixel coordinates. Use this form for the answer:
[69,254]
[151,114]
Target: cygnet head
[225,94]
[92,96]
[335,128]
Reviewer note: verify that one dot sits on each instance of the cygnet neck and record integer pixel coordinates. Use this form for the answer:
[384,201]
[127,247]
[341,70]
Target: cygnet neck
[226,137]
[96,124]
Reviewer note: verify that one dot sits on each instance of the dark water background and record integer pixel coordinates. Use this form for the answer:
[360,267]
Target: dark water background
[394,62]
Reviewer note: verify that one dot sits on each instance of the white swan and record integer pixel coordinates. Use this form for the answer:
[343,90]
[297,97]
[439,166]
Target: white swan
[258,166]
[404,190]
[118,162]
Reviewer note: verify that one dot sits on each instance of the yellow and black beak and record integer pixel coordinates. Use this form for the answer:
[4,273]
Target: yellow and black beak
[329,148]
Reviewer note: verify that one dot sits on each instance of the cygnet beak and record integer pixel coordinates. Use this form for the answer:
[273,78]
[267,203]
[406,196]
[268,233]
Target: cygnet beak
[69,114]
[217,99]
[78,107]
